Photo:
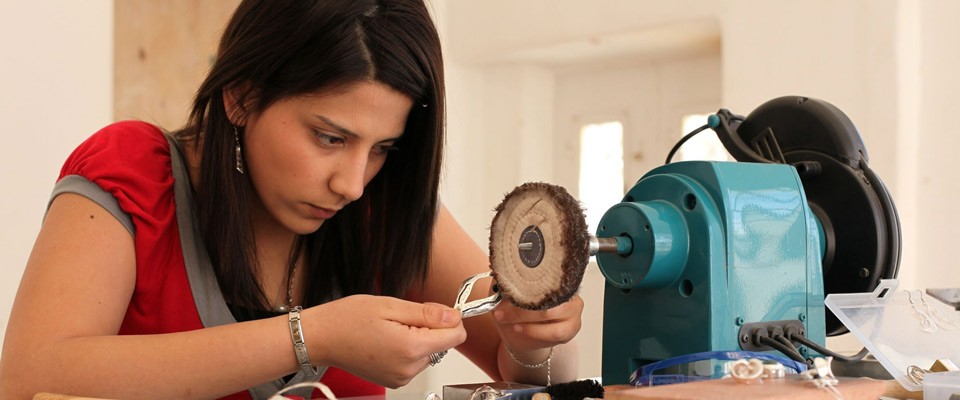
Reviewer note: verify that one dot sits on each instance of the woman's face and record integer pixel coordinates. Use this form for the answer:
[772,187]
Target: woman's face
[307,157]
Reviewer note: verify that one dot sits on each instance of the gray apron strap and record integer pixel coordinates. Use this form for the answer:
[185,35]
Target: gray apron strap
[203,283]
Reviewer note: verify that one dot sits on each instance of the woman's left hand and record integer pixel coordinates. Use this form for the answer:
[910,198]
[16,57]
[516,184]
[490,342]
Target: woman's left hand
[526,330]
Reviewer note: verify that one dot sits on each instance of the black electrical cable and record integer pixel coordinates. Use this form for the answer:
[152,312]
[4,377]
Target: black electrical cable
[793,355]
[786,342]
[823,350]
[683,140]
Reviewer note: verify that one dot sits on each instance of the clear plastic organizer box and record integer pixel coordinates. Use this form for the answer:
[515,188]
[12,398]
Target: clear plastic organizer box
[900,328]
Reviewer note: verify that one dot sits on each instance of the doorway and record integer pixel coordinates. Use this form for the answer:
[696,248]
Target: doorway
[615,124]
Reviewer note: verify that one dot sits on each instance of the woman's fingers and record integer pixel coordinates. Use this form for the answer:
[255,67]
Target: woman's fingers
[529,330]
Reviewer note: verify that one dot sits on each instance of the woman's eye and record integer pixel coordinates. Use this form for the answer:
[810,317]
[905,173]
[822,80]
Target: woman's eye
[385,149]
[328,140]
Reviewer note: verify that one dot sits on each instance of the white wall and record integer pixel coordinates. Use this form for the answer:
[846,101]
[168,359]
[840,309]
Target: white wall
[936,185]
[56,88]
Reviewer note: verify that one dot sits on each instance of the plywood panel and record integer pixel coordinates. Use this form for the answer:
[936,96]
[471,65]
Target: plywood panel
[162,52]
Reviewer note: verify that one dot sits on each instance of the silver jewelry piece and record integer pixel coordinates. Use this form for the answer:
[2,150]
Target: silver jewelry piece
[773,371]
[470,309]
[436,357]
[915,374]
[533,366]
[821,375]
[236,150]
[937,316]
[479,306]
[299,343]
[746,370]
[926,323]
[487,393]
[292,272]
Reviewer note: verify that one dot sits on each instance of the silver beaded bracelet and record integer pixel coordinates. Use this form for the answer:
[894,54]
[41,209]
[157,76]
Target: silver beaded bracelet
[299,345]
[532,366]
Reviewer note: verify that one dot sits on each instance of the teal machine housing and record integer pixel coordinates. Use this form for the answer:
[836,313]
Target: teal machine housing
[705,251]
[716,245]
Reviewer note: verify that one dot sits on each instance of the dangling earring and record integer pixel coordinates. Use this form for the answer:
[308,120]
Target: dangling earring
[237,154]
[926,322]
[938,316]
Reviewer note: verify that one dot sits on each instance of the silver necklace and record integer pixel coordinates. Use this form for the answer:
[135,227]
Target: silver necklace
[292,271]
[285,308]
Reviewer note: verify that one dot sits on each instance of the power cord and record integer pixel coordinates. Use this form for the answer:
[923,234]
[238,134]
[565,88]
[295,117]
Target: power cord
[795,356]
[683,140]
[823,350]
[762,337]
[713,121]
[786,342]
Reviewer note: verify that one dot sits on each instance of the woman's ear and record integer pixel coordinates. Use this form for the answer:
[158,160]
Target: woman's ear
[236,101]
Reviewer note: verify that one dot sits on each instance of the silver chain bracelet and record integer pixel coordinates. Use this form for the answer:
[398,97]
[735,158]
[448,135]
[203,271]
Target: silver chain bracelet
[532,366]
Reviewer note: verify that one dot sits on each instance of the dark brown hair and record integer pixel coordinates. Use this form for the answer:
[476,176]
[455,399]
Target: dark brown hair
[282,48]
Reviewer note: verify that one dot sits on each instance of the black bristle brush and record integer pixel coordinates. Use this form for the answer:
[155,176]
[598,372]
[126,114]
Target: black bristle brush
[576,390]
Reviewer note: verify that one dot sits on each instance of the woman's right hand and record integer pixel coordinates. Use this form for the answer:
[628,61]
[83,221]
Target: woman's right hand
[382,339]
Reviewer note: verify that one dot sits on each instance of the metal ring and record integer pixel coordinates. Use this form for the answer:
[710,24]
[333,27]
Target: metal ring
[479,306]
[915,374]
[746,371]
[487,393]
[436,357]
[773,371]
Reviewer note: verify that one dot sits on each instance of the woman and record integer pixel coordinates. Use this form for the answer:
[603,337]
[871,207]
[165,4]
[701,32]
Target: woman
[291,230]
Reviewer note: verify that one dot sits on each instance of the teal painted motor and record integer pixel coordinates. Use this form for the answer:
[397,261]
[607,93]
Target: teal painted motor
[715,246]
[704,256]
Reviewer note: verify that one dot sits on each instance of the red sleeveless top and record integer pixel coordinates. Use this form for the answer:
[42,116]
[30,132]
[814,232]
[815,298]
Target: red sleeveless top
[132,162]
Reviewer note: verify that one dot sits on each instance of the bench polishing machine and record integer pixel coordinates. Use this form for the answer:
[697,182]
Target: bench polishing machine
[703,256]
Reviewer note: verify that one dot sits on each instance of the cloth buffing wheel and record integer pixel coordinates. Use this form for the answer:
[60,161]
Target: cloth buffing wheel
[539,246]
